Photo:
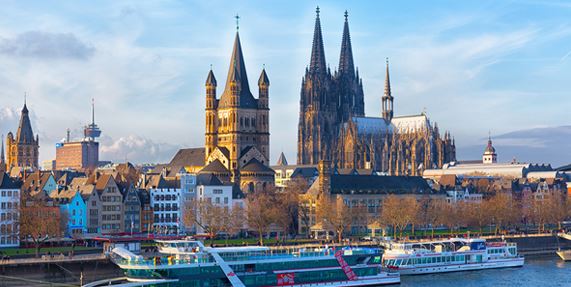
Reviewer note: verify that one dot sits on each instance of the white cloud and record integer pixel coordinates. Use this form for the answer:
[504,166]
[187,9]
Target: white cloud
[136,149]
[46,45]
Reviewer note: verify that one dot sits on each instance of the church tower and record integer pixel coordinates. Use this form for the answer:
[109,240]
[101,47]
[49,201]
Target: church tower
[23,149]
[237,137]
[489,155]
[318,106]
[387,100]
[349,85]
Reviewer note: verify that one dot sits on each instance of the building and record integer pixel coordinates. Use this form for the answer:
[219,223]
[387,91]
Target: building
[9,211]
[166,201]
[111,203]
[22,150]
[237,138]
[333,126]
[365,192]
[146,211]
[488,166]
[72,205]
[285,173]
[132,210]
[39,184]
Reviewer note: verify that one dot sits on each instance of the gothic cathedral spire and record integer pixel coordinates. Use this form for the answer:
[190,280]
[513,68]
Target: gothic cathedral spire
[317,64]
[346,65]
[387,100]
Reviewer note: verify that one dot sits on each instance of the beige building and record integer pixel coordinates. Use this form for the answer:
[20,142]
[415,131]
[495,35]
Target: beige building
[111,201]
[22,149]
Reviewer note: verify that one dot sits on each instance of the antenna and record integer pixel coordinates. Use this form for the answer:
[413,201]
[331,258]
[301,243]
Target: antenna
[92,111]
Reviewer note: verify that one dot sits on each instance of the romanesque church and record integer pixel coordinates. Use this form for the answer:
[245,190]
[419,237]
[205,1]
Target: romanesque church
[333,125]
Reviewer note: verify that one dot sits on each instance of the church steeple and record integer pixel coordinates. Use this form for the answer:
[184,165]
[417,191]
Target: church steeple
[317,64]
[387,100]
[25,134]
[2,159]
[346,65]
[237,77]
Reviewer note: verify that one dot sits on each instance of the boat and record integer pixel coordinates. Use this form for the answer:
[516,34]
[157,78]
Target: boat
[564,254]
[190,263]
[455,254]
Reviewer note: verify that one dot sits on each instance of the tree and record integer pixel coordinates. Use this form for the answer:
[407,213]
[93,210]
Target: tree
[38,223]
[286,208]
[260,212]
[391,213]
[502,211]
[212,218]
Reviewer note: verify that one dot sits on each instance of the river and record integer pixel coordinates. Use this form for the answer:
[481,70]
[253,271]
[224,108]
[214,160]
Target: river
[537,271]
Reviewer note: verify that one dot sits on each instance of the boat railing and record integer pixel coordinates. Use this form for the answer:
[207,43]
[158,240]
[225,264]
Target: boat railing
[163,261]
[294,253]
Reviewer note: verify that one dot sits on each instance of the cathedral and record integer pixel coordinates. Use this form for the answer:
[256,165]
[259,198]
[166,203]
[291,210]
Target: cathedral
[22,150]
[237,137]
[333,125]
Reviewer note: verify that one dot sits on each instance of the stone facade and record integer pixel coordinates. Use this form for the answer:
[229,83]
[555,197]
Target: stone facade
[237,138]
[332,124]
[22,150]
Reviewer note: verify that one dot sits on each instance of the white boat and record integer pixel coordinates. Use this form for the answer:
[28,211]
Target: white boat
[564,254]
[455,254]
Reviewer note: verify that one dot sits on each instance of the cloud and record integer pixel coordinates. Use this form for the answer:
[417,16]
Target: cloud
[8,120]
[46,45]
[136,149]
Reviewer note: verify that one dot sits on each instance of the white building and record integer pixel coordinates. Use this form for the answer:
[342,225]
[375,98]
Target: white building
[9,211]
[460,195]
[167,203]
[487,167]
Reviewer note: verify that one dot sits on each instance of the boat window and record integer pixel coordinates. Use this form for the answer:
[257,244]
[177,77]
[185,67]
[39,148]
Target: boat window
[398,262]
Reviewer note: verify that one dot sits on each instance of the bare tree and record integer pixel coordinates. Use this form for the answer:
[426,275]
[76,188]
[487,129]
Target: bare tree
[212,218]
[38,223]
[260,212]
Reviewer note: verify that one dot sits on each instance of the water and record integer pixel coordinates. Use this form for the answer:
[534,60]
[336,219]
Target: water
[538,271]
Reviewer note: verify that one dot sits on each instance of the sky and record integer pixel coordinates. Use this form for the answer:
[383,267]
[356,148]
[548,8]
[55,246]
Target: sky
[476,67]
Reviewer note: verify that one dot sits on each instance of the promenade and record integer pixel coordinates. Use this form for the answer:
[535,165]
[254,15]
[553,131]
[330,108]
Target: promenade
[60,258]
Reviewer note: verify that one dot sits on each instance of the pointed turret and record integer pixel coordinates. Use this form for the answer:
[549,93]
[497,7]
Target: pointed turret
[282,161]
[317,64]
[237,75]
[210,79]
[264,80]
[2,159]
[25,135]
[346,66]
[387,100]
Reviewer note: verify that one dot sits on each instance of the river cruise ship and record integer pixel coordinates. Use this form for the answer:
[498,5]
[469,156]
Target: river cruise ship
[190,263]
[456,254]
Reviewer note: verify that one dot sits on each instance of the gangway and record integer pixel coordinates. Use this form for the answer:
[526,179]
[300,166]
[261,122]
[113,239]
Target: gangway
[234,280]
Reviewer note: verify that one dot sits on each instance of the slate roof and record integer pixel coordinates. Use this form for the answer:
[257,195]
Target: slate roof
[237,72]
[208,179]
[282,161]
[255,165]
[305,172]
[24,135]
[6,182]
[188,157]
[215,167]
[378,184]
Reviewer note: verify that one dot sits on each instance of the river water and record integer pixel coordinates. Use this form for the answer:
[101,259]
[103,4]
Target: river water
[537,271]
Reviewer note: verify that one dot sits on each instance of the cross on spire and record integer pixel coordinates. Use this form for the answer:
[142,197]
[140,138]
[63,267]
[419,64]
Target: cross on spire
[237,22]
[317,11]
[346,15]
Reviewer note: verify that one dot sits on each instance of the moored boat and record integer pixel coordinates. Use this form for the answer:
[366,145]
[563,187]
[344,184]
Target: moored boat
[455,254]
[190,263]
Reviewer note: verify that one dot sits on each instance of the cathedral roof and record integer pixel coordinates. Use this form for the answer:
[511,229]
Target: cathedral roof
[237,72]
[378,184]
[188,157]
[25,134]
[346,65]
[282,161]
[409,124]
[371,125]
[317,64]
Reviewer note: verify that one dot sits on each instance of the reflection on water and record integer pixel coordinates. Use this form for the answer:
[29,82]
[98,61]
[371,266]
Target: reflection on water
[539,271]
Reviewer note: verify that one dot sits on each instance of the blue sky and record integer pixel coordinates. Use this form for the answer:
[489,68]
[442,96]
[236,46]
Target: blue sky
[474,66]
